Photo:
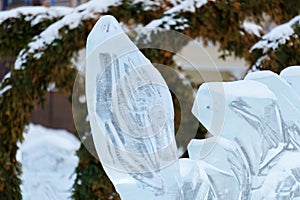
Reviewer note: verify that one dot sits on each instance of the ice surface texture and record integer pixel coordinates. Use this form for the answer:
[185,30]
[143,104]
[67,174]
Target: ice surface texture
[255,123]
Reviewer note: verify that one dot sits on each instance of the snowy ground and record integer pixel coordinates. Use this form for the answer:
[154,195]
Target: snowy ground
[48,162]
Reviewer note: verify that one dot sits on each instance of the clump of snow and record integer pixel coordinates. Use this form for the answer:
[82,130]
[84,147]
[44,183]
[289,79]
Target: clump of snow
[187,6]
[20,59]
[170,17]
[48,161]
[89,10]
[2,91]
[279,35]
[35,14]
[270,41]
[78,60]
[148,3]
[51,87]
[258,63]
[5,89]
[252,28]
[8,75]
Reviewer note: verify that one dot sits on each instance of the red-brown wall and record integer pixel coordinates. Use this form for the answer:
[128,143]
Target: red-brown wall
[57,112]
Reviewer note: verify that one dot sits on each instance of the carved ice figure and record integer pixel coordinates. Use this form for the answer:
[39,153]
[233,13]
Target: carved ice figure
[131,116]
[282,180]
[288,102]
[48,163]
[250,118]
[251,109]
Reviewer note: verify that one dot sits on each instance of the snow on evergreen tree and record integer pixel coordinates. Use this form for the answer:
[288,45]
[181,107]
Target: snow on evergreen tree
[277,49]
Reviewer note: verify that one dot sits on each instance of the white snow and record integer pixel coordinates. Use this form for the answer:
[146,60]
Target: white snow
[279,35]
[2,91]
[256,66]
[78,60]
[20,59]
[148,4]
[35,14]
[48,162]
[169,16]
[89,10]
[8,75]
[51,87]
[252,28]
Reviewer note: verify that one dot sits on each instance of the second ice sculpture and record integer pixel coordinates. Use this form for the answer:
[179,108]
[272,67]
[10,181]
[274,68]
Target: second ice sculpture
[255,123]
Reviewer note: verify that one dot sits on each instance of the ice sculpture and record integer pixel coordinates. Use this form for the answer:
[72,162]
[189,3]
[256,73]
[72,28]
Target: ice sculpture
[288,101]
[131,114]
[48,160]
[254,122]
[258,119]
[251,118]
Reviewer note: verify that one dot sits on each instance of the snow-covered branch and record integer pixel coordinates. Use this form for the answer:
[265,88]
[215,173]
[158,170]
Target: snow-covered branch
[279,35]
[171,17]
[35,14]
[277,49]
[90,10]
[252,28]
